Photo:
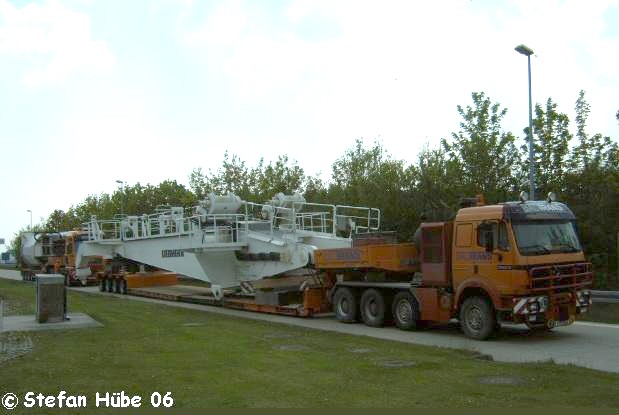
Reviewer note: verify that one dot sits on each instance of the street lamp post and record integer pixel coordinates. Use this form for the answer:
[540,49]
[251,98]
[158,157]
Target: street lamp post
[122,195]
[528,52]
[30,211]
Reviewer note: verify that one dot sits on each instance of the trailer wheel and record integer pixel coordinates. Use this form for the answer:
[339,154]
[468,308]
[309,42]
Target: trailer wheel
[477,318]
[405,311]
[345,305]
[373,308]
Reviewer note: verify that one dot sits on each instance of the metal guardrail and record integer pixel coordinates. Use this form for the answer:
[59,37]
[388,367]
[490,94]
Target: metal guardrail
[600,296]
[605,294]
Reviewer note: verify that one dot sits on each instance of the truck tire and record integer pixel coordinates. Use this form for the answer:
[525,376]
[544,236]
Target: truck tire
[405,310]
[345,305]
[477,319]
[373,308]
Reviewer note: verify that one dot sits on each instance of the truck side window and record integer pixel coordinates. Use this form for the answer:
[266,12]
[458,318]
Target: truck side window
[498,230]
[484,230]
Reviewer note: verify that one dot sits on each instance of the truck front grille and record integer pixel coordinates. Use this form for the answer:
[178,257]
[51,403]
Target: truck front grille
[560,278]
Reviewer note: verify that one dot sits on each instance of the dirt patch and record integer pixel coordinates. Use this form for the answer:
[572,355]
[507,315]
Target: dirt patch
[395,364]
[193,324]
[292,347]
[361,350]
[482,356]
[500,380]
[14,345]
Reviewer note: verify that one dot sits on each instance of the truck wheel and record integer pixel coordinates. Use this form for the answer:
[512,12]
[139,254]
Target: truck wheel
[405,310]
[373,308]
[477,318]
[345,305]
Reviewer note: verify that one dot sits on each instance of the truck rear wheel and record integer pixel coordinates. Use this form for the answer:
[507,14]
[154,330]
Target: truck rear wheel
[477,318]
[405,311]
[345,305]
[373,308]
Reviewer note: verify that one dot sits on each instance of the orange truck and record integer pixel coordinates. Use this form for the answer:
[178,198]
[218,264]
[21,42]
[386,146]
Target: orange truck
[54,252]
[514,262]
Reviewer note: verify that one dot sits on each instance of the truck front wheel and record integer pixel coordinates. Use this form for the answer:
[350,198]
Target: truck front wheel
[345,305]
[373,308]
[405,311]
[477,318]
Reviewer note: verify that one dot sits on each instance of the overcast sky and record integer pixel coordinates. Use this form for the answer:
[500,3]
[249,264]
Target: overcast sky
[143,91]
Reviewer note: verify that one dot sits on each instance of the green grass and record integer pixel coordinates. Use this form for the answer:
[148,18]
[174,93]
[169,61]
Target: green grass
[602,313]
[208,360]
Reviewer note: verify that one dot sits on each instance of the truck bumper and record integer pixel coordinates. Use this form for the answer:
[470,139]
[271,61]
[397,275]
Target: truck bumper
[551,310]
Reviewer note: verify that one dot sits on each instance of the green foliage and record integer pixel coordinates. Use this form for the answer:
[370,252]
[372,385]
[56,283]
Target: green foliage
[551,143]
[256,184]
[437,185]
[371,177]
[483,154]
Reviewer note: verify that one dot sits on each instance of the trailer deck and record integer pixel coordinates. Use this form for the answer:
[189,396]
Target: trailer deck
[311,299]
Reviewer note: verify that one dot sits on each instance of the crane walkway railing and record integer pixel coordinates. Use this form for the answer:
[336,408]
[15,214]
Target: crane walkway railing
[312,218]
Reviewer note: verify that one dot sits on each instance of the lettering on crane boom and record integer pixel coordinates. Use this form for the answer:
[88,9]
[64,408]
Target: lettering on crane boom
[172,253]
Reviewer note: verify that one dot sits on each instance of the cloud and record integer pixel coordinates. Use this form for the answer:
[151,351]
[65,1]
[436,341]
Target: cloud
[398,69]
[52,41]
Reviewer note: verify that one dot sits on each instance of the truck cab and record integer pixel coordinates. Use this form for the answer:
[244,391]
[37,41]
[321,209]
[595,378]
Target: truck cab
[524,260]
[515,262]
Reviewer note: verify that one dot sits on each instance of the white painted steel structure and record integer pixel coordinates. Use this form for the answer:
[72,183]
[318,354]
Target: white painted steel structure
[225,240]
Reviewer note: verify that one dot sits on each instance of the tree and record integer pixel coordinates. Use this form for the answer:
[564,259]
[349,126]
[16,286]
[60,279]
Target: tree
[438,186]
[592,186]
[282,176]
[257,184]
[371,177]
[484,154]
[551,144]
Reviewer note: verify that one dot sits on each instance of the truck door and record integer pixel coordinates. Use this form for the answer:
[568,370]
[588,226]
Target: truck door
[465,248]
[482,250]
[493,260]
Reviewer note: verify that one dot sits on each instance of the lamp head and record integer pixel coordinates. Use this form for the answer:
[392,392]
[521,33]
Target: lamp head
[525,50]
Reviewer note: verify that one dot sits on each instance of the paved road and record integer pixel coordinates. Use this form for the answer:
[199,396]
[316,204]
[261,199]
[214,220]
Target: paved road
[592,345]
[10,274]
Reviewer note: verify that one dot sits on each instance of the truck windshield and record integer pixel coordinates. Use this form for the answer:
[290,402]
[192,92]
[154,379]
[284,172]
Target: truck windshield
[542,237]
